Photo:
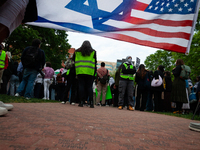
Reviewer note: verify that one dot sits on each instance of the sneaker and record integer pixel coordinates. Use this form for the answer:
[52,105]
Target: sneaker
[44,98]
[17,95]
[130,108]
[98,104]
[28,98]
[7,106]
[120,107]
[48,99]
[3,111]
[63,102]
[73,104]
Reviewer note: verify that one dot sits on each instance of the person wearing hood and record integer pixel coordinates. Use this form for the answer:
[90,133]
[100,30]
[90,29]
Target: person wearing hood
[126,83]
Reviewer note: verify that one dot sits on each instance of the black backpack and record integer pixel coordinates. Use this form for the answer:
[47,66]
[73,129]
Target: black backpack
[31,57]
[104,79]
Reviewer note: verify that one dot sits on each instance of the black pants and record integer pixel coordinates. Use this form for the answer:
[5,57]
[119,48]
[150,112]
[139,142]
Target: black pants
[157,101]
[71,83]
[38,90]
[4,84]
[60,90]
[85,88]
[179,106]
[141,106]
[116,96]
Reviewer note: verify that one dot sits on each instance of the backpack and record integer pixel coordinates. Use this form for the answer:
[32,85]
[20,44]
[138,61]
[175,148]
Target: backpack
[104,79]
[30,58]
[185,72]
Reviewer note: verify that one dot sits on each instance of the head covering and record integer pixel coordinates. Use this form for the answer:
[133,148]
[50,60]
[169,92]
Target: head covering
[129,60]
[9,55]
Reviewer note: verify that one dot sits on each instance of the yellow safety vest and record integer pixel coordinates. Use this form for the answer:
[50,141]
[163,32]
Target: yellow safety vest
[126,76]
[2,59]
[84,64]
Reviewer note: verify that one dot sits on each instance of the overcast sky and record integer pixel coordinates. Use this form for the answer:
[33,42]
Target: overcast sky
[110,49]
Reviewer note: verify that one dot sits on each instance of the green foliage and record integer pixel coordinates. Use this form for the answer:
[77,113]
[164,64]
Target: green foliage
[193,59]
[197,28]
[54,43]
[187,116]
[160,57]
[168,58]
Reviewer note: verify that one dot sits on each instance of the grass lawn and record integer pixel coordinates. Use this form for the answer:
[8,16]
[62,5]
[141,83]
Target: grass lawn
[12,99]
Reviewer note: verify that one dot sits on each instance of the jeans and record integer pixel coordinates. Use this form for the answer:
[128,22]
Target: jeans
[28,80]
[149,104]
[85,88]
[14,84]
[53,94]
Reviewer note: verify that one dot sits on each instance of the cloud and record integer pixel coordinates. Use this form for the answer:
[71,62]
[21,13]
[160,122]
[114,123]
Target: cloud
[109,49]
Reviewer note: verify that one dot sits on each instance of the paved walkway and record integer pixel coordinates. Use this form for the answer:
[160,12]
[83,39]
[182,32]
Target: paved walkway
[53,126]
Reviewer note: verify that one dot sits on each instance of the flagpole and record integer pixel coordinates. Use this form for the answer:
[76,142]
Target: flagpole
[193,27]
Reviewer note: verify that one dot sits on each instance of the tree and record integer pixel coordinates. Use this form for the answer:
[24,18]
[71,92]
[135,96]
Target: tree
[54,43]
[193,59]
[160,57]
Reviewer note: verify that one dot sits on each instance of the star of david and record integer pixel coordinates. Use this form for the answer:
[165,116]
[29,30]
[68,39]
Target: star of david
[99,16]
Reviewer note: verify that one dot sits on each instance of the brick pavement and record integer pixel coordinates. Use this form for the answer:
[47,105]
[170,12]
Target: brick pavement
[54,126]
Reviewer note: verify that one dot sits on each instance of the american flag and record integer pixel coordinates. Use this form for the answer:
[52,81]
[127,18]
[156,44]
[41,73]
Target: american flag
[163,24]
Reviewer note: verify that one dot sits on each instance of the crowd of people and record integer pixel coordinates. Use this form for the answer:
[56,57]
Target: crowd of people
[155,91]
[79,81]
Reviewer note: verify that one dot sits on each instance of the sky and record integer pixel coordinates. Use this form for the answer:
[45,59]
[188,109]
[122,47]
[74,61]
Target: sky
[109,49]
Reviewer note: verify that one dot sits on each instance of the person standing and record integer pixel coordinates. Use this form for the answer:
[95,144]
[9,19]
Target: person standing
[178,93]
[167,84]
[116,86]
[49,72]
[7,74]
[3,62]
[142,79]
[126,83]
[85,67]
[60,80]
[157,91]
[31,67]
[101,87]
[71,82]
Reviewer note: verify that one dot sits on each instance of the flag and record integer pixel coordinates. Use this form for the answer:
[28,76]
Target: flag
[163,24]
